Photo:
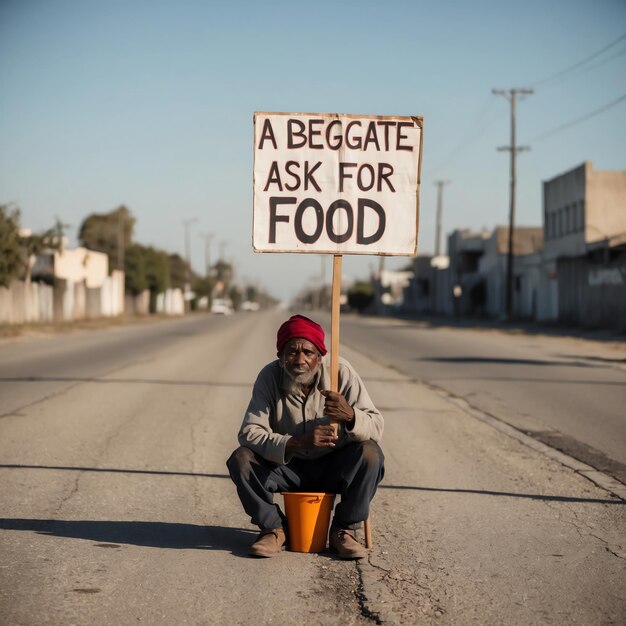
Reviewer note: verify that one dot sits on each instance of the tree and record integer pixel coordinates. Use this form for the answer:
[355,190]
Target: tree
[236,297]
[17,250]
[224,272]
[361,295]
[203,286]
[179,271]
[157,270]
[37,243]
[10,249]
[252,293]
[135,269]
[111,233]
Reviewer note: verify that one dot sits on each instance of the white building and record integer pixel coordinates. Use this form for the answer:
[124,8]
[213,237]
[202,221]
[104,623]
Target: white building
[492,267]
[88,290]
[76,265]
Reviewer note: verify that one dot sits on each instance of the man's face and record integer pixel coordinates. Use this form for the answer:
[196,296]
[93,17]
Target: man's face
[301,360]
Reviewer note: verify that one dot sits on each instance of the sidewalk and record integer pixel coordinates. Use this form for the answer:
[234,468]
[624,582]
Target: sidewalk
[516,327]
[472,526]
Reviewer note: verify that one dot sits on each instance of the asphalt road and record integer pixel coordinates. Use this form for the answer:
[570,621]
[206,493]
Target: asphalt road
[567,392]
[115,506]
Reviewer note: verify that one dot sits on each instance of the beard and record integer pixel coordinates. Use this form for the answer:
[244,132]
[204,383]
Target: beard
[299,380]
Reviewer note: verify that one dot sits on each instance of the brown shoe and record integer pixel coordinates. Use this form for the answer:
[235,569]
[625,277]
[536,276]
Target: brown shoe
[344,543]
[268,543]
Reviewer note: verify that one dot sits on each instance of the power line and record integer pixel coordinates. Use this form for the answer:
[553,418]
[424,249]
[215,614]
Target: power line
[471,137]
[465,144]
[583,70]
[569,69]
[619,53]
[583,118]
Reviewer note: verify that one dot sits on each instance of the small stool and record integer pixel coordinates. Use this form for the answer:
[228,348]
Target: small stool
[368,533]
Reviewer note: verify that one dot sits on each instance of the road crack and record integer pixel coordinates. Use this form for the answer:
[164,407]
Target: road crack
[191,458]
[18,411]
[73,491]
[363,601]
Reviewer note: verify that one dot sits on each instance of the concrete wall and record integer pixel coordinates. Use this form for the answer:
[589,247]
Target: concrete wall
[581,207]
[593,294]
[564,206]
[82,265]
[528,270]
[67,301]
[548,295]
[113,299]
[442,299]
[171,302]
[491,270]
[93,303]
[139,304]
[21,303]
[430,288]
[606,205]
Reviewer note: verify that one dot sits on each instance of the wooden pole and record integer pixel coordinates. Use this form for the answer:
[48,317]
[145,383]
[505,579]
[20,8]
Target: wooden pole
[334,323]
[334,354]
[368,533]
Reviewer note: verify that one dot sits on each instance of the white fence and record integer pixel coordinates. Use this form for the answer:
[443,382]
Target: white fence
[171,302]
[21,303]
[34,302]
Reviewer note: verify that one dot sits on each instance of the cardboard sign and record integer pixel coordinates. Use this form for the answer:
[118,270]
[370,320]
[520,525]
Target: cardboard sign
[336,184]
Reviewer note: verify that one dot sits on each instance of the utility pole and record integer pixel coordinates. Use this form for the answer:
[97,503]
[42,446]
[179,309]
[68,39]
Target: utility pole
[511,96]
[120,238]
[186,224]
[440,185]
[207,253]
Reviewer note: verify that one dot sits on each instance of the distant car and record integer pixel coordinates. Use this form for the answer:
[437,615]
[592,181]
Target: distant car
[250,306]
[219,306]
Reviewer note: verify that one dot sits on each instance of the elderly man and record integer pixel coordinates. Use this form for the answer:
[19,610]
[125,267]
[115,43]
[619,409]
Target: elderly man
[288,442]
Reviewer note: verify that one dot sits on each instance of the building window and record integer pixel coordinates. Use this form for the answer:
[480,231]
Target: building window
[555,225]
[549,226]
[581,213]
[570,219]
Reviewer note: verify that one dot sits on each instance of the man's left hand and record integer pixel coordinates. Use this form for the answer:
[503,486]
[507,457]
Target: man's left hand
[336,406]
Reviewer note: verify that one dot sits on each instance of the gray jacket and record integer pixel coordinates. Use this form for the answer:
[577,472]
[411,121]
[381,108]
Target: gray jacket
[274,414]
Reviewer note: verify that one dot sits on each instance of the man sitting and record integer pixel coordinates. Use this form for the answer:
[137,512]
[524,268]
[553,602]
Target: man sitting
[288,442]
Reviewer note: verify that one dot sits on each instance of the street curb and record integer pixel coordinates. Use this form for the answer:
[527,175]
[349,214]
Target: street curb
[602,480]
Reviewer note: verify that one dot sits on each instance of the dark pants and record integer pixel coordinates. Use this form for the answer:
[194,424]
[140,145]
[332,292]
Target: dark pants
[353,471]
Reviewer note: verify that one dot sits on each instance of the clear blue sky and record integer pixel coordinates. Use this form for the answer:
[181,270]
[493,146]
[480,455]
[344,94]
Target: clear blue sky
[150,104]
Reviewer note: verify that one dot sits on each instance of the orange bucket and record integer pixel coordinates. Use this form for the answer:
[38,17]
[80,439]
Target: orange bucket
[308,518]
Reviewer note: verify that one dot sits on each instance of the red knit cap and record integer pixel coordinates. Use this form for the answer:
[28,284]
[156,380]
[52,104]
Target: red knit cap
[304,328]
